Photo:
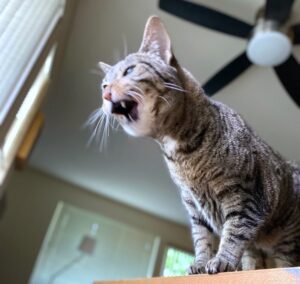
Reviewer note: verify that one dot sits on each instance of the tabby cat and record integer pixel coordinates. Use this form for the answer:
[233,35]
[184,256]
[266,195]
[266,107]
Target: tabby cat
[232,183]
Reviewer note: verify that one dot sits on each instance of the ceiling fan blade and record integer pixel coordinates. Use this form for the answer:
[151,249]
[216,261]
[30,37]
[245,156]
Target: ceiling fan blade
[206,17]
[278,10]
[296,31]
[288,74]
[227,74]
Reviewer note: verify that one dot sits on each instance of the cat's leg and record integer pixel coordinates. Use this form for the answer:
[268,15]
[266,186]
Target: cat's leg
[239,230]
[286,253]
[282,261]
[202,236]
[252,259]
[203,245]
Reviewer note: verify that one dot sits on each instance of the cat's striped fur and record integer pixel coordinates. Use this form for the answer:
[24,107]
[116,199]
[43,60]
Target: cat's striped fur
[232,183]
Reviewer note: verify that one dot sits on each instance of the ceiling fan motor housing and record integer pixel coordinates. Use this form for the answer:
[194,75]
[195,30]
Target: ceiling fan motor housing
[268,46]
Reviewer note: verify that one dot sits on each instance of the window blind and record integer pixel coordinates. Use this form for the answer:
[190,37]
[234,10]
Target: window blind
[25,26]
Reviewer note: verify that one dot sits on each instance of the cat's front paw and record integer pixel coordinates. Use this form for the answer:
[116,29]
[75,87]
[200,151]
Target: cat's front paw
[218,264]
[197,268]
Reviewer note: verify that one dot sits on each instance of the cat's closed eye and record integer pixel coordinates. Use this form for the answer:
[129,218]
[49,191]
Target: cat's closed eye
[128,70]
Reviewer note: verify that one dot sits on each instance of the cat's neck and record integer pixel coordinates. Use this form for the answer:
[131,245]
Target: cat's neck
[192,117]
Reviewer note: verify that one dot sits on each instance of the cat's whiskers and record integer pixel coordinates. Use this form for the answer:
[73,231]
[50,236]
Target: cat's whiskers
[105,123]
[136,93]
[114,124]
[117,125]
[172,84]
[100,122]
[164,99]
[106,132]
[100,126]
[93,117]
[136,96]
[175,87]
[138,90]
[96,118]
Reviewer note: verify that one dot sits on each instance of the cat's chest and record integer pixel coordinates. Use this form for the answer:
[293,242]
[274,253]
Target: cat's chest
[208,209]
[181,169]
[177,173]
[182,173]
[206,206]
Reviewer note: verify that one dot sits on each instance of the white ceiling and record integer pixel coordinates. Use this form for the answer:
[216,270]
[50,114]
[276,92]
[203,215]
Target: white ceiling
[132,170]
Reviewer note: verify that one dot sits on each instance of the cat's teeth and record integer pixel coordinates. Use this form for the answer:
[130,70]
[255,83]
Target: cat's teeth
[123,104]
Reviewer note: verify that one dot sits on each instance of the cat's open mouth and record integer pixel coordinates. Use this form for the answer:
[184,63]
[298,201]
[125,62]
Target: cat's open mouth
[128,108]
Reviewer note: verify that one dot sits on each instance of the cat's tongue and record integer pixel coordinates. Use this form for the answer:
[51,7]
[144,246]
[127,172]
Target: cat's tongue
[127,108]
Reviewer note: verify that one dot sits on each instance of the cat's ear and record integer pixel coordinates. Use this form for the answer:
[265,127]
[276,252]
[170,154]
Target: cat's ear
[156,40]
[104,67]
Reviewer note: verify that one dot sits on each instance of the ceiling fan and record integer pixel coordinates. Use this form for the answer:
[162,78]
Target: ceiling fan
[269,41]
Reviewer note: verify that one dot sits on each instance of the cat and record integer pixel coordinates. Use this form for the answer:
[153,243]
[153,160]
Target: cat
[232,183]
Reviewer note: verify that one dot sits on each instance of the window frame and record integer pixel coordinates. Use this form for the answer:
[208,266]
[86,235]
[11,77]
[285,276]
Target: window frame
[57,37]
[51,41]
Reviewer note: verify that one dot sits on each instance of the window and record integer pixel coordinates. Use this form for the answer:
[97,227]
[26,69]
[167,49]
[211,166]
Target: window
[25,28]
[82,247]
[176,262]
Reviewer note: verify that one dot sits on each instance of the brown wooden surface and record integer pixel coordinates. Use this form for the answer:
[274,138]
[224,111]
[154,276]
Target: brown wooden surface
[29,140]
[266,276]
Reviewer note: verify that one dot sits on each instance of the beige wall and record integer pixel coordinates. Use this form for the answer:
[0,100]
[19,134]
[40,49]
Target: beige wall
[31,200]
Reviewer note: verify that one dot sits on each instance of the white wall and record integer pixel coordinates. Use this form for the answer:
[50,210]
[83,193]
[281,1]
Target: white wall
[31,200]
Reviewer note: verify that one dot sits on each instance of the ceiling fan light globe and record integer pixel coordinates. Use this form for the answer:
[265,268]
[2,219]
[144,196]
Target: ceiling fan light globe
[269,48]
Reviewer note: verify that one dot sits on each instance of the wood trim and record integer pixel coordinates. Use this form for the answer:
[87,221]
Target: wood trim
[29,140]
[265,276]
[21,126]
